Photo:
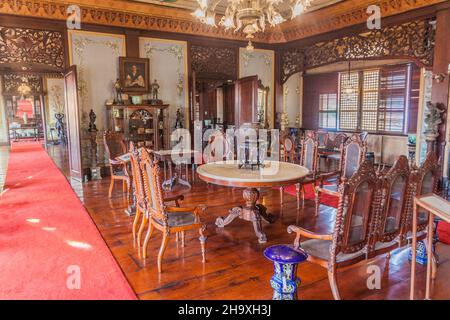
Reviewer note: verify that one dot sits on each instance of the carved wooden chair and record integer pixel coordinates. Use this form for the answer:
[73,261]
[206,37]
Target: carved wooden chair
[169,220]
[309,159]
[391,210]
[322,138]
[353,152]
[349,241]
[115,147]
[287,154]
[423,180]
[139,192]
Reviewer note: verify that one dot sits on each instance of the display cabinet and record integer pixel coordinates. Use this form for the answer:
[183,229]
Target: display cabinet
[145,125]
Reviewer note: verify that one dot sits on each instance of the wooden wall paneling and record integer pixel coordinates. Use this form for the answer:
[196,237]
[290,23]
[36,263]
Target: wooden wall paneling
[440,90]
[314,85]
[414,99]
[228,104]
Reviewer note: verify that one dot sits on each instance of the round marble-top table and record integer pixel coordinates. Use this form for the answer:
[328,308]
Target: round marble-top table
[274,174]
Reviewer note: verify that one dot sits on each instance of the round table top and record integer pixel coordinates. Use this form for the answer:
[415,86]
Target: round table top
[274,174]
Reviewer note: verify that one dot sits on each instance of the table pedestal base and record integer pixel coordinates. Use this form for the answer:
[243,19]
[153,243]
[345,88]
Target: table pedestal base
[250,212]
[170,183]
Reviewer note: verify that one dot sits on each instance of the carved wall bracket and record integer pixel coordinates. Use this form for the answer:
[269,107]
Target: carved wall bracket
[214,62]
[413,40]
[29,47]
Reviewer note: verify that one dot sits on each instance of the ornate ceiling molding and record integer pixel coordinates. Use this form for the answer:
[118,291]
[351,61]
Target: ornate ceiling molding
[136,15]
[31,48]
[412,40]
[345,14]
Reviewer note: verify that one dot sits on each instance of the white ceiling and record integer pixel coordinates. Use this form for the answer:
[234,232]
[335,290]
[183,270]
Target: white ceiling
[191,5]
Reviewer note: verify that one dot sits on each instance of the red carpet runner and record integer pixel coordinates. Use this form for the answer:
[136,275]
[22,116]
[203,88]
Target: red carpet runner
[49,246]
[325,199]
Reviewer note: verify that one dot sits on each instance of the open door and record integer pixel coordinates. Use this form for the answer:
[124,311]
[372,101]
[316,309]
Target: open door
[246,106]
[73,122]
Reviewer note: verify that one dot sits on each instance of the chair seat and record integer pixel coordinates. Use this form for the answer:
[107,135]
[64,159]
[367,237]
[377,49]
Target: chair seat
[179,219]
[321,249]
[120,173]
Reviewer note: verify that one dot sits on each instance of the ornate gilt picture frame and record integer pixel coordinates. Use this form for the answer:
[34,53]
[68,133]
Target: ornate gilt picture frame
[134,75]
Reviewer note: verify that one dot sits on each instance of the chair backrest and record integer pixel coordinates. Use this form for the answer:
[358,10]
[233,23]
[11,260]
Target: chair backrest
[339,140]
[422,180]
[322,138]
[309,153]
[114,143]
[357,201]
[387,222]
[353,153]
[138,183]
[287,148]
[153,187]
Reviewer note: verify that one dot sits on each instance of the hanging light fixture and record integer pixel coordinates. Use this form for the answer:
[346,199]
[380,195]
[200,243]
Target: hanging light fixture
[24,88]
[349,89]
[249,16]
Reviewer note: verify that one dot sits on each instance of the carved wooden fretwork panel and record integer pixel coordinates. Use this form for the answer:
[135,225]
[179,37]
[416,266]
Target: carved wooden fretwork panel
[32,48]
[414,40]
[214,62]
[12,81]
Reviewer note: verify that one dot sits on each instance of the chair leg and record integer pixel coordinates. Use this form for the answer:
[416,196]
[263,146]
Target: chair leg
[281,195]
[147,238]
[317,202]
[332,277]
[136,221]
[182,233]
[203,244]
[111,187]
[297,191]
[162,249]
[141,230]
[303,191]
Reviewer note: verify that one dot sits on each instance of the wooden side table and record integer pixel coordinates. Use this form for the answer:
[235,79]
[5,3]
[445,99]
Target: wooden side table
[436,206]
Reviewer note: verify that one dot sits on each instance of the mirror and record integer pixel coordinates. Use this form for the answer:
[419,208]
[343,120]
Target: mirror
[263,98]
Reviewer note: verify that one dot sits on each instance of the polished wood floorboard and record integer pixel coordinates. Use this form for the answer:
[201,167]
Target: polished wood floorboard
[236,267]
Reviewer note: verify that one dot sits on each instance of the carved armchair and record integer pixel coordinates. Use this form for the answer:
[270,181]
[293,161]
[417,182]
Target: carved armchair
[115,147]
[139,192]
[391,209]
[349,241]
[169,220]
[287,154]
[353,152]
[423,180]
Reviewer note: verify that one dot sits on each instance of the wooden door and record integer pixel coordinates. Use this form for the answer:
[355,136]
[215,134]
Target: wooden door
[228,104]
[246,106]
[73,122]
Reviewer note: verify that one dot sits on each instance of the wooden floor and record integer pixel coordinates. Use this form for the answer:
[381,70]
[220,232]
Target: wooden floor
[236,267]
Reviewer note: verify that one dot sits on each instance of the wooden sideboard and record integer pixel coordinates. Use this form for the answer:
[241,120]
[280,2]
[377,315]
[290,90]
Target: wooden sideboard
[146,125]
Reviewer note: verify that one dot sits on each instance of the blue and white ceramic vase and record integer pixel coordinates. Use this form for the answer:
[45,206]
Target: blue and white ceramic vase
[284,281]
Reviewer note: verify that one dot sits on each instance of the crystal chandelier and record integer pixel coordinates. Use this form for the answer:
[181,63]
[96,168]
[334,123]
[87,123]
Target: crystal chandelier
[250,16]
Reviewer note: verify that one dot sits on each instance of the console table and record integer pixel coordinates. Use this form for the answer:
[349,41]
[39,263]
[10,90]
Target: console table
[436,206]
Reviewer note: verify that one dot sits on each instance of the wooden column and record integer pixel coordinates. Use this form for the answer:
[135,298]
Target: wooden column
[132,43]
[441,63]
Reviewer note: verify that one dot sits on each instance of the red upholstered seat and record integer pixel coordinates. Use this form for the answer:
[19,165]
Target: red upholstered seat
[443,231]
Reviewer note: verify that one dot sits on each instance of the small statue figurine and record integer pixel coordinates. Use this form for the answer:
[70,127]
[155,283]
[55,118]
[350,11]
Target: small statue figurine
[92,118]
[432,120]
[118,90]
[60,128]
[155,89]
[179,119]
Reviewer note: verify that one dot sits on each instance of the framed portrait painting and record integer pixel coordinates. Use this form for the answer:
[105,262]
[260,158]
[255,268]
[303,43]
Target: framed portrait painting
[134,73]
